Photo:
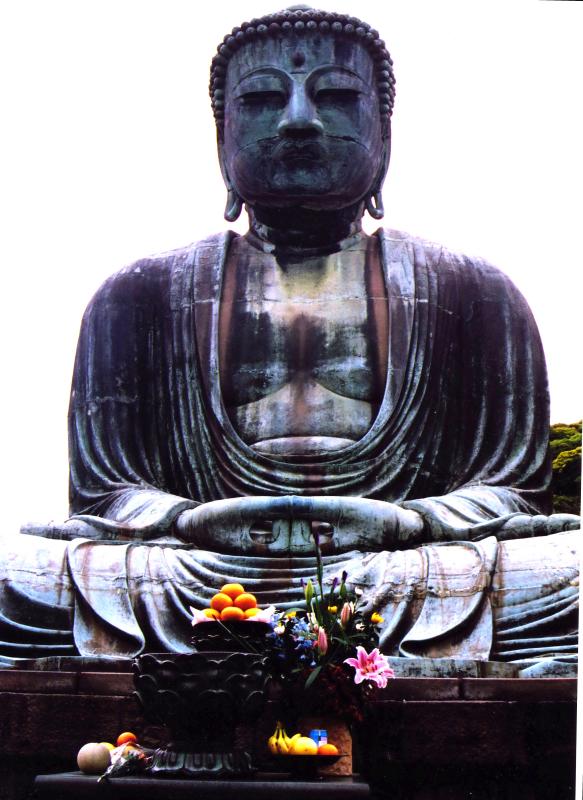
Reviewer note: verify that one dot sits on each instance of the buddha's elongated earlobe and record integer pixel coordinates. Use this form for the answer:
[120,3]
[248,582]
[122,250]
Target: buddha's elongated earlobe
[233,206]
[234,203]
[374,205]
[374,200]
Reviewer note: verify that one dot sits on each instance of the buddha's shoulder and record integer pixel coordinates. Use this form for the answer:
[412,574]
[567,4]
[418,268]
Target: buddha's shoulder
[449,265]
[149,279]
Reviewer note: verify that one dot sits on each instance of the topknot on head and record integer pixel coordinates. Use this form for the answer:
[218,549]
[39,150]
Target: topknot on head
[300,18]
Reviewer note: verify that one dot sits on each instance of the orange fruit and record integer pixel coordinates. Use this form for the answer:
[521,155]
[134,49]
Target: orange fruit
[245,601]
[250,612]
[230,613]
[232,589]
[126,738]
[327,750]
[220,601]
[211,612]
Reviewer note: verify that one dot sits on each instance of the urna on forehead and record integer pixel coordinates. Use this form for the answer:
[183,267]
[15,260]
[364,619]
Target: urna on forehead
[331,36]
[302,53]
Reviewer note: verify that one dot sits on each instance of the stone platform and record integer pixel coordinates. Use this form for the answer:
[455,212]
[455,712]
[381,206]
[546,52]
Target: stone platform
[75,786]
[453,737]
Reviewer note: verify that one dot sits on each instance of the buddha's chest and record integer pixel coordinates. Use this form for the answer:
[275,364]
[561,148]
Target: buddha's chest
[302,346]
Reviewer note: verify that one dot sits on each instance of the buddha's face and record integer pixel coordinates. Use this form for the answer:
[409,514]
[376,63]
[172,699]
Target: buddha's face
[302,122]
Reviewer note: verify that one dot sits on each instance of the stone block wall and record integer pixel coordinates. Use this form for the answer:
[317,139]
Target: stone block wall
[427,739]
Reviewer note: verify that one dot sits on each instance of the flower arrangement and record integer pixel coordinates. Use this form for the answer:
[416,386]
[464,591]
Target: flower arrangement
[315,650]
[325,655]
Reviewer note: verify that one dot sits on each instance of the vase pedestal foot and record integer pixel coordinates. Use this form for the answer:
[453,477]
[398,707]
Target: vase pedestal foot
[177,761]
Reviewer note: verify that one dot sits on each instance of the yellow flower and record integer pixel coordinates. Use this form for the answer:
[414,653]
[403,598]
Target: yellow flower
[333,609]
[376,619]
[291,614]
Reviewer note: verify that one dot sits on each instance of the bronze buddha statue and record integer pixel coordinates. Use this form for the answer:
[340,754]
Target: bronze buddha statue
[238,398]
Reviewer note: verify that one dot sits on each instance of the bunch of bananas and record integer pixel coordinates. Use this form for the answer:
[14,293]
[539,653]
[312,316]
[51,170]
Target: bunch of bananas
[279,742]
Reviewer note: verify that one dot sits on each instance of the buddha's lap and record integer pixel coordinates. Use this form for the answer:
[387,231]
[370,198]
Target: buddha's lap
[44,574]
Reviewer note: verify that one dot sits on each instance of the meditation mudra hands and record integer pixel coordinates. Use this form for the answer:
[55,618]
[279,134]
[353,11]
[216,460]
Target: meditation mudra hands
[289,524]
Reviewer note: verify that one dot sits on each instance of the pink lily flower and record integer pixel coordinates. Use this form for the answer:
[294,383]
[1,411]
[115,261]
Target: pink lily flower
[371,666]
[346,613]
[322,642]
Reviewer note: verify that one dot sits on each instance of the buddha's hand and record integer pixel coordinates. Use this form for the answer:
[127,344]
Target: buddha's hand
[290,524]
[520,526]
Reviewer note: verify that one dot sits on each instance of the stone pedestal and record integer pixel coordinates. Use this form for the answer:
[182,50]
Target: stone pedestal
[490,738]
[75,786]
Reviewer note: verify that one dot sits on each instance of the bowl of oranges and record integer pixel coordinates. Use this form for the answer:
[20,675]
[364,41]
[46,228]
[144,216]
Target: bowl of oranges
[239,624]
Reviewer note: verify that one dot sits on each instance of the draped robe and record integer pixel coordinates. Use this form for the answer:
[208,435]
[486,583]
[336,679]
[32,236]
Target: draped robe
[461,437]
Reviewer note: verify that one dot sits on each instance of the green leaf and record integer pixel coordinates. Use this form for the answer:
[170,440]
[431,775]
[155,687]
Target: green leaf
[317,609]
[309,593]
[312,676]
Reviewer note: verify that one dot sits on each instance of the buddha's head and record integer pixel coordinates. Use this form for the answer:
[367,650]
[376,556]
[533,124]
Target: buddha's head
[302,102]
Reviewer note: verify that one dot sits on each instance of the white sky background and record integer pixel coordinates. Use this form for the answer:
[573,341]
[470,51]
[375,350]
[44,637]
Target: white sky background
[108,154]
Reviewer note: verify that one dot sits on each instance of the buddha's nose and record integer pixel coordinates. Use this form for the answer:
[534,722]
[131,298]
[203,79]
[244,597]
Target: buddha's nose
[300,117]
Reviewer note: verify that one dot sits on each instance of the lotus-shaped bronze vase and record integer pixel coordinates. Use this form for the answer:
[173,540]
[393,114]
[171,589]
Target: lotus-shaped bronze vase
[201,698]
[233,636]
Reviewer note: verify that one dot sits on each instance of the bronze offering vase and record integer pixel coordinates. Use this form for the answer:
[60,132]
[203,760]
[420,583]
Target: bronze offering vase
[234,636]
[201,698]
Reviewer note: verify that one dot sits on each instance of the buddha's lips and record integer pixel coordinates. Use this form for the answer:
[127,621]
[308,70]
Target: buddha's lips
[299,150]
